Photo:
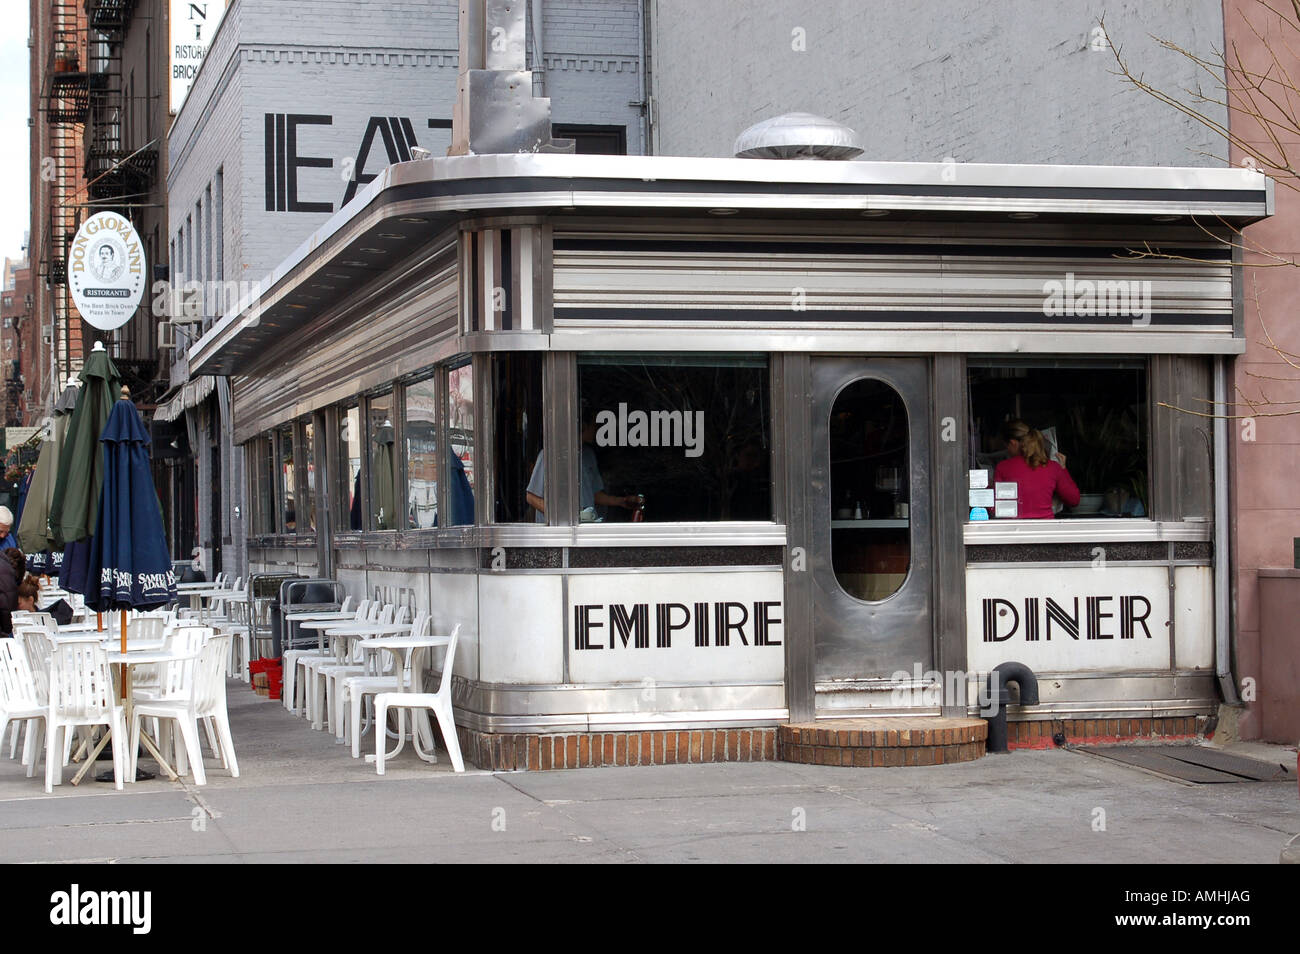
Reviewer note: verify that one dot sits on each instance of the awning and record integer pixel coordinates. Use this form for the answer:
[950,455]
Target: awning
[191,394]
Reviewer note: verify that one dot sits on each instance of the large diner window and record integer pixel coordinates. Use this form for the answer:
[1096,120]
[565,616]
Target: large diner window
[516,434]
[421,454]
[461,456]
[383,462]
[261,452]
[674,437]
[349,467]
[1093,414]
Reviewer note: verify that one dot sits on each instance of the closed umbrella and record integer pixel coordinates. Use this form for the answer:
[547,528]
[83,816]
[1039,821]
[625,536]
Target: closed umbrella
[75,502]
[127,560]
[35,537]
[130,565]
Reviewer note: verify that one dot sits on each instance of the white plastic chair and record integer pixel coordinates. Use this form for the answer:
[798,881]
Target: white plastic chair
[174,699]
[306,659]
[289,659]
[81,694]
[210,701]
[311,664]
[19,702]
[328,673]
[350,693]
[438,702]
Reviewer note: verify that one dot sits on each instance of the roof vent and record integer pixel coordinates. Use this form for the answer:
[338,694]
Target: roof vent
[797,136]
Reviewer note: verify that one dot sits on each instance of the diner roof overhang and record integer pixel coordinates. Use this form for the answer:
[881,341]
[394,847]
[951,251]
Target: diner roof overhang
[411,203]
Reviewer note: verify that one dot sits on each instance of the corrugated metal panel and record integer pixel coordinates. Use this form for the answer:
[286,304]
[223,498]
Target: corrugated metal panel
[796,286]
[399,336]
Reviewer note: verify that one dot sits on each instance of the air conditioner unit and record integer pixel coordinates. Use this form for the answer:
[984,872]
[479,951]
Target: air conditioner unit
[166,335]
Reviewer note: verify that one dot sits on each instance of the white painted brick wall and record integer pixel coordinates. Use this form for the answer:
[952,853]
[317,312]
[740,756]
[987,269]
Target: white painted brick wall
[1011,81]
[353,61]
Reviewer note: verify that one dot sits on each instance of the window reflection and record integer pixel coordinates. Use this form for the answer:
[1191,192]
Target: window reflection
[309,462]
[421,455]
[288,511]
[383,504]
[349,469]
[460,436]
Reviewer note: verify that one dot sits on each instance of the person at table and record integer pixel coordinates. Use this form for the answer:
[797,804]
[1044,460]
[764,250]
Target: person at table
[1037,478]
[7,541]
[28,590]
[9,591]
[591,485]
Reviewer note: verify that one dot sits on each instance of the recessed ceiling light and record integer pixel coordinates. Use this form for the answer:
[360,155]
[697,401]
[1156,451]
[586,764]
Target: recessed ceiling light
[320,287]
[391,235]
[353,263]
[412,220]
[1167,218]
[723,211]
[1022,216]
[374,251]
[294,305]
[337,275]
[874,213]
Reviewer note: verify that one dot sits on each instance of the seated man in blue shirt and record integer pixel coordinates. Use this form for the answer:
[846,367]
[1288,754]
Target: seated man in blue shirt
[591,486]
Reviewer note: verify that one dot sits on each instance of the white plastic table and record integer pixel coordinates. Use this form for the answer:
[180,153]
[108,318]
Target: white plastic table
[130,659]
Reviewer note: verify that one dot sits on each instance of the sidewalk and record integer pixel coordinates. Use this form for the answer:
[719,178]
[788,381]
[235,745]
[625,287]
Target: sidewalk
[302,798]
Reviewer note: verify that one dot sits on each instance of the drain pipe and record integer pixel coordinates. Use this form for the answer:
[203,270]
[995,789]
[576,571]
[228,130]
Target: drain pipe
[999,696]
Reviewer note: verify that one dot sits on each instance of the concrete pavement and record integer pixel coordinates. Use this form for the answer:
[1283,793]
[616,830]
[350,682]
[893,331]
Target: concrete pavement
[301,798]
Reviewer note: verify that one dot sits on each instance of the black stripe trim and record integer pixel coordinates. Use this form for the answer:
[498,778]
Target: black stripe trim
[785,246]
[786,316]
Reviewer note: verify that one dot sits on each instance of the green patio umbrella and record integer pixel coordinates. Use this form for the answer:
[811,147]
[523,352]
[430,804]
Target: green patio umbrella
[74,506]
[34,535]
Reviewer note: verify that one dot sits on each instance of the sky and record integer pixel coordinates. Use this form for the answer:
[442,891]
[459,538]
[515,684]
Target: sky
[14,136]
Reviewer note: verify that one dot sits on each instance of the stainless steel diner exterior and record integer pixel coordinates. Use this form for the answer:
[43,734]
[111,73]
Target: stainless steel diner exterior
[834,272]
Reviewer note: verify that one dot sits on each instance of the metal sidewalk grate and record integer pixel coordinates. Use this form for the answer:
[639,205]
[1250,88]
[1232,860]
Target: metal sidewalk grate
[1194,763]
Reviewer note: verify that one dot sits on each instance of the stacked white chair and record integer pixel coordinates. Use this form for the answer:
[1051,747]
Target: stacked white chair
[290,657]
[336,675]
[311,664]
[345,665]
[81,694]
[20,703]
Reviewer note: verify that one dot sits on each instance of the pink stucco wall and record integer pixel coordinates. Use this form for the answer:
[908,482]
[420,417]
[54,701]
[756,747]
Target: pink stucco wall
[1265,471]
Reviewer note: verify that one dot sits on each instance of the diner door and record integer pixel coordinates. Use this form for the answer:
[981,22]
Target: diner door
[870,516]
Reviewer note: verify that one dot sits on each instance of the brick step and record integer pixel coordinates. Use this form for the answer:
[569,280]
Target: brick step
[881,742]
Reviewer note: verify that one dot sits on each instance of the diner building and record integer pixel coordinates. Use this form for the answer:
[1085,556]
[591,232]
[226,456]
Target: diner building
[692,444]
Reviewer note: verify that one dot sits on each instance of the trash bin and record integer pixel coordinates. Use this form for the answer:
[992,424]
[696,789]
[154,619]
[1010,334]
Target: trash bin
[299,597]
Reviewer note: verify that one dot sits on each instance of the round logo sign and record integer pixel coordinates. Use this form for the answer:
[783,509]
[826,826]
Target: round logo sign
[106,270]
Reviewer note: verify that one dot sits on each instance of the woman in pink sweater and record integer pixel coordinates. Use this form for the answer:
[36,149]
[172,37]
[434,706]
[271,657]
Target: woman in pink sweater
[1037,477]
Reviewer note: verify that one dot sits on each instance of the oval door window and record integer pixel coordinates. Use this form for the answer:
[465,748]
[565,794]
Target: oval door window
[871,546]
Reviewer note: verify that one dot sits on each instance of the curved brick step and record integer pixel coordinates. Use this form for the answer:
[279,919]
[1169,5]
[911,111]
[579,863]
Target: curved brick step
[865,743]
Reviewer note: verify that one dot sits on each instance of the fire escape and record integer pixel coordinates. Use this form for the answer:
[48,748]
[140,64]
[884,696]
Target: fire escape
[65,101]
[119,172]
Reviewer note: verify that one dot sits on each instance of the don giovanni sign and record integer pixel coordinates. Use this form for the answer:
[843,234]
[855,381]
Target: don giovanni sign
[106,270]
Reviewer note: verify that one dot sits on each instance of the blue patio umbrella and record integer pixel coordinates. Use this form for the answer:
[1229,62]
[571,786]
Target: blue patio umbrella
[130,566]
